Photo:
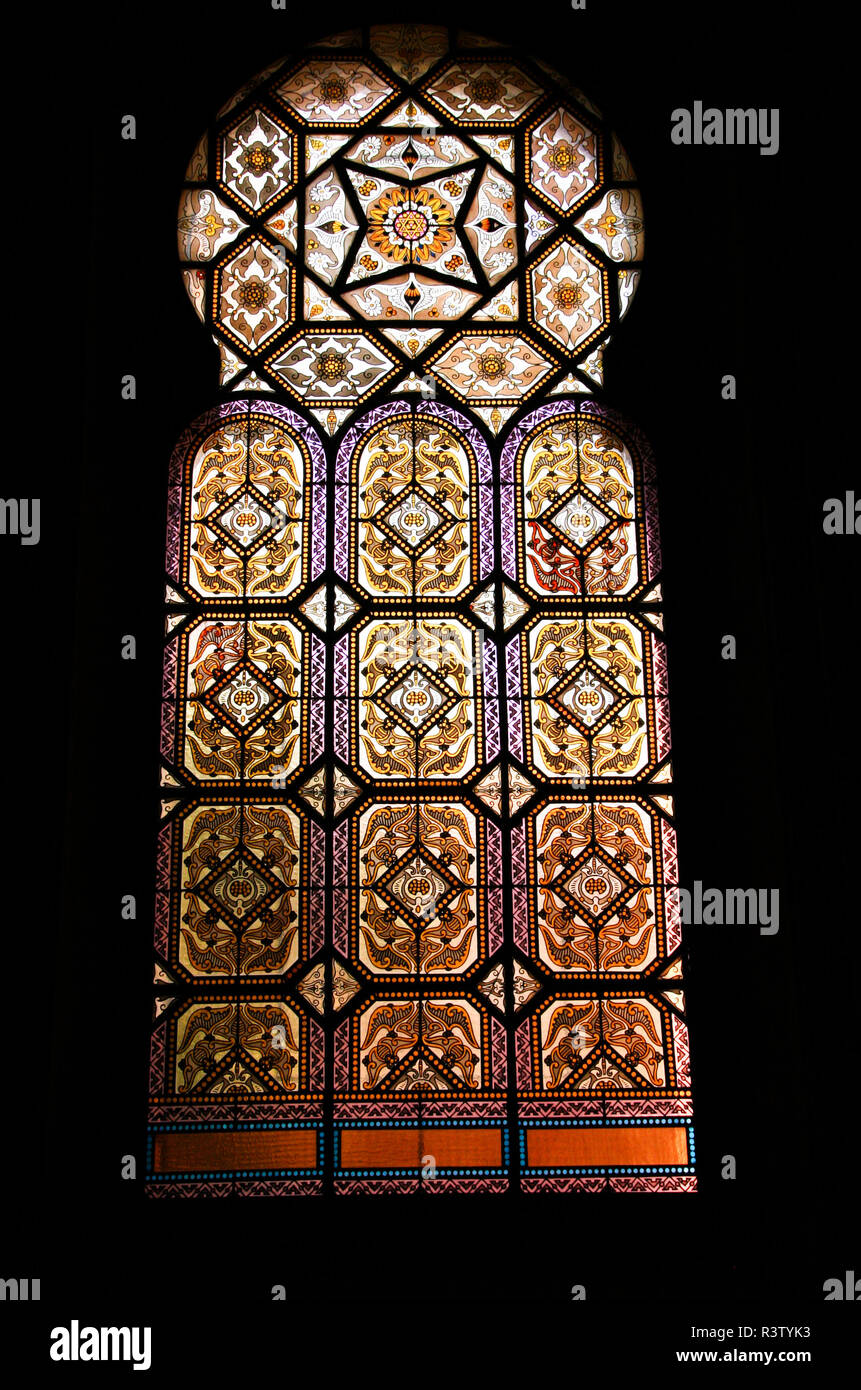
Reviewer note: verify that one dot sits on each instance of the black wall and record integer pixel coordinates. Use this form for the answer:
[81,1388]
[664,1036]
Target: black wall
[738,280]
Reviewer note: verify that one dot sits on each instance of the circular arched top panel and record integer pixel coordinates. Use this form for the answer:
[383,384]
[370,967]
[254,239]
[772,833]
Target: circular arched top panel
[382,212]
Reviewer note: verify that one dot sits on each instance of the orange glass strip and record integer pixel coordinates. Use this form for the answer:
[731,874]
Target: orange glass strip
[189,1153]
[406,1148]
[584,1147]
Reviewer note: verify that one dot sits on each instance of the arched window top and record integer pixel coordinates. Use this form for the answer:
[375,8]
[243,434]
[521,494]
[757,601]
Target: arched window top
[375,212]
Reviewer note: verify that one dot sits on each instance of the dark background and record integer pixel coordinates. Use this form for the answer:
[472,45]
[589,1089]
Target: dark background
[738,279]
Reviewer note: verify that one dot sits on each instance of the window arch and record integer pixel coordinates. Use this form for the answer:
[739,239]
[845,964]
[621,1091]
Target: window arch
[415,926]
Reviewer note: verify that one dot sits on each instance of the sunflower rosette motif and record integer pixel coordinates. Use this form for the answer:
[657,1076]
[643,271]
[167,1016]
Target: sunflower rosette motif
[411,225]
[464,205]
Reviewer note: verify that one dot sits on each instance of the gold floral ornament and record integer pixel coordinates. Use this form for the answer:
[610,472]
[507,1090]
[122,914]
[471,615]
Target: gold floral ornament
[409,139]
[411,224]
[333,91]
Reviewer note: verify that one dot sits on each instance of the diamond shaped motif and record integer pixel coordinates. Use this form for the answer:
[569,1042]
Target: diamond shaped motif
[334,91]
[420,680]
[414,519]
[595,885]
[563,159]
[419,886]
[243,697]
[568,293]
[247,520]
[492,366]
[257,160]
[254,295]
[241,889]
[578,520]
[586,697]
[331,367]
[315,607]
[473,90]
[417,699]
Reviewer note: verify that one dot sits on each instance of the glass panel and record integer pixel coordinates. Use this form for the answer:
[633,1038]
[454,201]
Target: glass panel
[414,918]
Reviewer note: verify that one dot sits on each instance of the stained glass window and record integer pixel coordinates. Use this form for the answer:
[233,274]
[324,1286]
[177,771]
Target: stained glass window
[414,924]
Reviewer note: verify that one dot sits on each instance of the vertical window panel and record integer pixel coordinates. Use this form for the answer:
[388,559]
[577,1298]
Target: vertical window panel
[414,926]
